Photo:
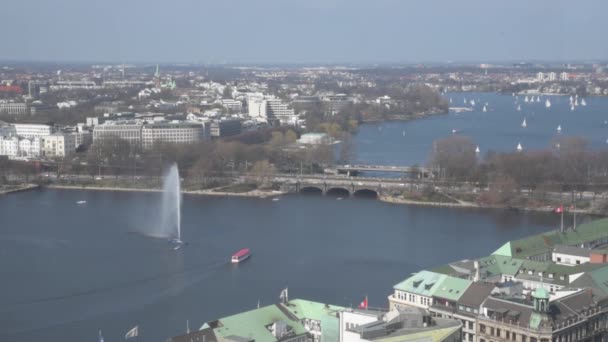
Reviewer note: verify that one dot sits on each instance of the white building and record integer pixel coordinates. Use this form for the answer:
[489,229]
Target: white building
[314,139]
[58,145]
[129,131]
[350,319]
[570,256]
[232,105]
[540,77]
[33,130]
[552,76]
[276,109]
[176,133]
[13,108]
[564,76]
[256,105]
[13,146]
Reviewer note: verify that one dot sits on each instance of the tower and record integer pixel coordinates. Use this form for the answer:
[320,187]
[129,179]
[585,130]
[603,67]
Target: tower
[541,300]
[157,78]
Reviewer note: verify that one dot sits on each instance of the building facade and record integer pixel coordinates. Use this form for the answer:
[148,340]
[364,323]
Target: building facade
[33,130]
[13,108]
[182,133]
[58,145]
[129,131]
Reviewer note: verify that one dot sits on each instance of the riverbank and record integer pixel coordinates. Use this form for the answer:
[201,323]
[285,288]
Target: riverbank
[405,117]
[209,192]
[5,190]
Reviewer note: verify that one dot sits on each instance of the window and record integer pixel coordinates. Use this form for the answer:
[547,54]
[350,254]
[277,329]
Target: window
[460,307]
[513,336]
[533,339]
[492,331]
[523,338]
[482,328]
[497,332]
[471,325]
[578,262]
[508,334]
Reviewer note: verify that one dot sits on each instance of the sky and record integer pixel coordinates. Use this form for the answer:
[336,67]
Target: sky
[303,31]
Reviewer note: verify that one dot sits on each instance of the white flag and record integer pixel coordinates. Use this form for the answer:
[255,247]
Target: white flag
[132,333]
[284,295]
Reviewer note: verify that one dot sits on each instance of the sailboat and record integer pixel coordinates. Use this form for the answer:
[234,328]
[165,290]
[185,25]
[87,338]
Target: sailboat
[450,100]
[473,103]
[571,99]
[403,133]
[576,102]
[538,99]
[524,124]
[485,109]
[477,149]
[548,103]
[526,99]
[519,108]
[572,107]
[464,100]
[519,147]
[559,128]
[583,102]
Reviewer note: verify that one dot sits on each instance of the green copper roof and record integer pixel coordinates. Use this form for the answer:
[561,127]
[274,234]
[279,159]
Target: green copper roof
[543,243]
[500,264]
[535,320]
[326,314]
[452,288]
[424,283]
[540,293]
[504,250]
[252,324]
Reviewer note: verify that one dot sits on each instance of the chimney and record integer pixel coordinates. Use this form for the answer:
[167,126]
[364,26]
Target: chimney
[476,265]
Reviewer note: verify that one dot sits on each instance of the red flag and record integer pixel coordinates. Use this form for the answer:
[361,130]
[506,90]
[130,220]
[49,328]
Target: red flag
[363,304]
[559,209]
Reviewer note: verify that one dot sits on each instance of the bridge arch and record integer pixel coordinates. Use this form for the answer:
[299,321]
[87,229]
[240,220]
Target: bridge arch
[366,193]
[338,192]
[311,190]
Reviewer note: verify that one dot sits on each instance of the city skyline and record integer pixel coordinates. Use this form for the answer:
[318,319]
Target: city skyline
[304,32]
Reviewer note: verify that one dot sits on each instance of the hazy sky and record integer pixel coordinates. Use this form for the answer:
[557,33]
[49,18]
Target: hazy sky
[308,31]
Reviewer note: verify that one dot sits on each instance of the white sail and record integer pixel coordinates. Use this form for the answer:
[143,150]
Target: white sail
[583,102]
[538,99]
[575,102]
[548,103]
[450,100]
[524,124]
[518,108]
[559,128]
[526,99]
[477,149]
[473,103]
[519,147]
[485,109]
[571,99]
[572,107]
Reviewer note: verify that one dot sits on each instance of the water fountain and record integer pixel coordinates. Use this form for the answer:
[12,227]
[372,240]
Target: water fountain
[170,211]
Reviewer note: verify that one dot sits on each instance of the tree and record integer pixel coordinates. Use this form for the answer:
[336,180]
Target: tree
[347,149]
[454,157]
[262,170]
[227,94]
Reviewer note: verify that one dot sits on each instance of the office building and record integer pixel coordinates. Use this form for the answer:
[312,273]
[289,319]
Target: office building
[234,106]
[33,130]
[225,128]
[13,108]
[175,133]
[127,130]
[58,145]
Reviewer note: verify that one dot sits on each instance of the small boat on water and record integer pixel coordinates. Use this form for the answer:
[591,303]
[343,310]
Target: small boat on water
[559,128]
[240,256]
[484,109]
[524,124]
[275,199]
[472,103]
[454,131]
[576,102]
[572,107]
[526,99]
[548,103]
[519,147]
[339,199]
[477,149]
[583,102]
[519,108]
[538,99]
[81,202]
[571,99]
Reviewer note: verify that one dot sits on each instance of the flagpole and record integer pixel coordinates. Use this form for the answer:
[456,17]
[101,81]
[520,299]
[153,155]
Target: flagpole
[562,224]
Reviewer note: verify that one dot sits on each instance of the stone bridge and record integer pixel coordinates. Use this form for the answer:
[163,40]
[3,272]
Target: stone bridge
[343,187]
